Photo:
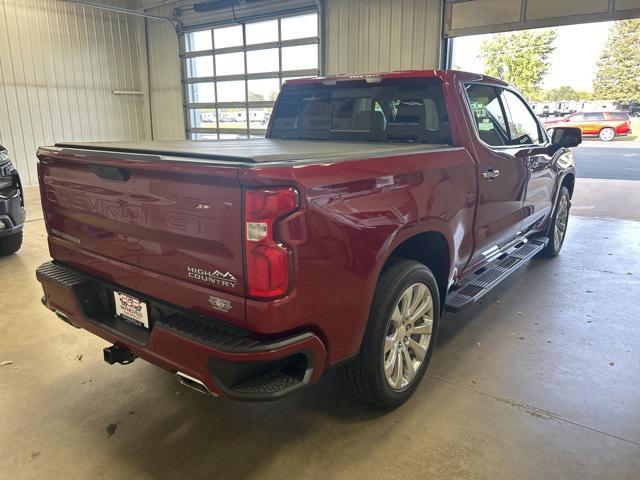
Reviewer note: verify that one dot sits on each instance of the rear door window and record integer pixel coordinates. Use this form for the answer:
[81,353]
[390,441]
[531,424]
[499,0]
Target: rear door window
[488,114]
[594,117]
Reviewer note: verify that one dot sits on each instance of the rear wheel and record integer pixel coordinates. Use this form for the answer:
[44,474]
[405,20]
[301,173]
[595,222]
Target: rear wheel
[558,227]
[10,244]
[607,134]
[399,339]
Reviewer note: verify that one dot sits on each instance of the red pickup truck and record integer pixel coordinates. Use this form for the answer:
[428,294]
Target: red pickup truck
[250,267]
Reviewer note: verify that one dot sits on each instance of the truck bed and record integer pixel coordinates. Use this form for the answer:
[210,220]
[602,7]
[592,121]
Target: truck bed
[258,150]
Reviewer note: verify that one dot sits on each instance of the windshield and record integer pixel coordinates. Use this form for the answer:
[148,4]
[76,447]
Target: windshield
[398,110]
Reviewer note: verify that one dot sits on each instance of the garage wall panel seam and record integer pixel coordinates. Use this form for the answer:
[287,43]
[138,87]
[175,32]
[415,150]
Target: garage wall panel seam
[165,87]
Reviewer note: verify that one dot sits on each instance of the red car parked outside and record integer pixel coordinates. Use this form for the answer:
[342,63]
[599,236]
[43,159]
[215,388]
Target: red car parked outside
[604,125]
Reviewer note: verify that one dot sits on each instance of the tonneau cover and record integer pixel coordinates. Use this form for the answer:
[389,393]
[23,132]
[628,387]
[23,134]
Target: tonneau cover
[258,150]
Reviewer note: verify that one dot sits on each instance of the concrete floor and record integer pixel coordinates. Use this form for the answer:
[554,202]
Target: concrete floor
[595,197]
[540,380]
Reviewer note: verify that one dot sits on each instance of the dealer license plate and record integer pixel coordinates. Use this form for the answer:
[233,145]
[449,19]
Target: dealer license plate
[131,309]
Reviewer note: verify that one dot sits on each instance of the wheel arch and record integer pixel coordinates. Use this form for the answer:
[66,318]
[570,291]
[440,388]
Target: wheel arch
[430,248]
[569,181]
[613,129]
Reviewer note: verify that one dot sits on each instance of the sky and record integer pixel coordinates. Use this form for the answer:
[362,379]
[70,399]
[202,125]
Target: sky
[573,62]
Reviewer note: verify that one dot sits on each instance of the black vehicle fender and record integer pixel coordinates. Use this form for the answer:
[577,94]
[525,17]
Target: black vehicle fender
[565,174]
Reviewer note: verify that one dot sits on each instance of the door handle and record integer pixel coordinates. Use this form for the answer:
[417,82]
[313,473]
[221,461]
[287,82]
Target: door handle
[490,173]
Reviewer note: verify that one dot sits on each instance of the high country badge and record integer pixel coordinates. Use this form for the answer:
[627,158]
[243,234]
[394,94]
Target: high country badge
[215,277]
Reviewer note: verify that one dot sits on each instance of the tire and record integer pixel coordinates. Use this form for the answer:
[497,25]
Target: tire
[10,244]
[607,134]
[555,244]
[365,376]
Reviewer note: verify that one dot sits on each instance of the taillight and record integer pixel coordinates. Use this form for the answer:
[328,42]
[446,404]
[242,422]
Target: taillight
[267,259]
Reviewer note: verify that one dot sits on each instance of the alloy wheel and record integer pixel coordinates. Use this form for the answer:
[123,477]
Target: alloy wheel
[408,336]
[561,222]
[607,134]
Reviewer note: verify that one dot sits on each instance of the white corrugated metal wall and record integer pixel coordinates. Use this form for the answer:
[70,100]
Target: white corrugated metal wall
[364,36]
[59,64]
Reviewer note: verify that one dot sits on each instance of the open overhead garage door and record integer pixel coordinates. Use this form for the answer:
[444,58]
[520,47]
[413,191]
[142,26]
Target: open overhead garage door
[472,17]
[200,13]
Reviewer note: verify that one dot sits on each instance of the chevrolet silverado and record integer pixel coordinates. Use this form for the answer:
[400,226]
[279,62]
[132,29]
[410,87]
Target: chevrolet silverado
[249,268]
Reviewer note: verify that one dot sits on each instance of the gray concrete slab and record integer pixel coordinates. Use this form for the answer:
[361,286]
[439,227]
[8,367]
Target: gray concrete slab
[607,198]
[540,380]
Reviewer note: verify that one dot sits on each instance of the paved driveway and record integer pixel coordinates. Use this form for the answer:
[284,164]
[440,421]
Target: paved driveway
[617,160]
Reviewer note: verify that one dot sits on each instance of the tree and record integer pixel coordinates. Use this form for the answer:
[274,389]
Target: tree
[565,92]
[261,97]
[520,58]
[618,70]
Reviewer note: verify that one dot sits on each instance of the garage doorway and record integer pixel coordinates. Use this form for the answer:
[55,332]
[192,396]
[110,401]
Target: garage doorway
[585,75]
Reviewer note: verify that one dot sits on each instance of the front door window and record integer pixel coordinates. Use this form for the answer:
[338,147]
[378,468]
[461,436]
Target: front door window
[523,126]
[488,114]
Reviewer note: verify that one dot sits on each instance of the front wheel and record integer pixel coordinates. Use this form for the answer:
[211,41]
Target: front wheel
[558,226]
[607,134]
[10,244]
[399,338]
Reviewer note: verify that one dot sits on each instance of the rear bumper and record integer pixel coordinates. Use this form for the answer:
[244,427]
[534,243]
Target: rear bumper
[229,361]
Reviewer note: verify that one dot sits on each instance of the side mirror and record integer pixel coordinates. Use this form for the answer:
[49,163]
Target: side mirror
[566,137]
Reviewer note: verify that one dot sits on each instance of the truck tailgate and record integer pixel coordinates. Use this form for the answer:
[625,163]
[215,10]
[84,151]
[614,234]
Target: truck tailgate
[176,223]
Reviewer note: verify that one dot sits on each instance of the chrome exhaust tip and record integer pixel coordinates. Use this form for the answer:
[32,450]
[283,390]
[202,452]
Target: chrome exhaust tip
[63,316]
[194,384]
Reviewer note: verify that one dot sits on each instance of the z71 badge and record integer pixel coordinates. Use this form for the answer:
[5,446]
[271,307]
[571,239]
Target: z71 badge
[220,304]
[215,277]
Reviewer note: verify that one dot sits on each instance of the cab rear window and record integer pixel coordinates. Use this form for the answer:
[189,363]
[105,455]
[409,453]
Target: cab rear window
[398,110]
